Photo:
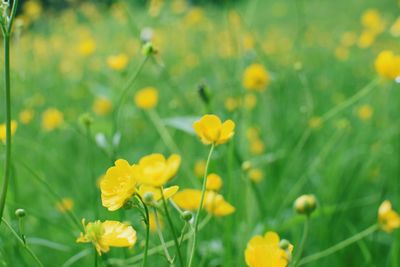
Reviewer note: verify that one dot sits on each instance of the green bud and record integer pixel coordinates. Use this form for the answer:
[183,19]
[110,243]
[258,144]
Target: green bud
[187,215]
[148,49]
[86,119]
[148,197]
[305,204]
[284,244]
[20,213]
[246,165]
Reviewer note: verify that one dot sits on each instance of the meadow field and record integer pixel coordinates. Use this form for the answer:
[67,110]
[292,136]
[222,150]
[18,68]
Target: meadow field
[200,133]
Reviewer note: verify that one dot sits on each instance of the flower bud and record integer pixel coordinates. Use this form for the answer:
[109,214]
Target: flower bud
[148,197]
[284,244]
[86,119]
[20,213]
[246,165]
[148,49]
[187,216]
[305,204]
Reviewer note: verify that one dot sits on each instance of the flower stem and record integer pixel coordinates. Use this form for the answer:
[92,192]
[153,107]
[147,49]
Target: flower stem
[303,241]
[339,246]
[171,225]
[203,191]
[160,235]
[146,219]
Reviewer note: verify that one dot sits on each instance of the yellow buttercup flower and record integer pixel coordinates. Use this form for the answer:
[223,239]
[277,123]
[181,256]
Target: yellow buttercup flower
[104,235]
[155,170]
[146,98]
[372,21]
[52,118]
[14,126]
[365,112]
[214,182]
[388,219]
[102,106]
[200,168]
[167,192]
[264,251]
[26,116]
[87,47]
[65,204]
[211,130]
[387,65]
[118,62]
[255,175]
[118,185]
[255,77]
[366,39]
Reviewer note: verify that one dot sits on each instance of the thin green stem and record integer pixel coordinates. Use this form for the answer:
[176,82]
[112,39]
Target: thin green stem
[339,246]
[161,237]
[146,219]
[22,243]
[303,241]
[95,258]
[171,226]
[203,192]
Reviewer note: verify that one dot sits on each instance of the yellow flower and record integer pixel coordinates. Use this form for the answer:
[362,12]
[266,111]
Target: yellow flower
[26,116]
[52,118]
[395,29]
[257,147]
[146,98]
[372,21]
[118,185]
[365,112]
[153,224]
[388,219]
[215,204]
[250,101]
[65,204]
[167,192]
[315,122]
[199,168]
[102,106]
[231,104]
[87,47]
[264,251]
[255,77]
[118,62]
[155,170]
[366,39]
[211,130]
[255,175]
[214,182]
[104,235]
[387,65]
[32,9]
[14,126]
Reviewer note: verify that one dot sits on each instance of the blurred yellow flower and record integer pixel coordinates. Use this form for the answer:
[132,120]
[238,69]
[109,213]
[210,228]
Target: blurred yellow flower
[200,168]
[257,146]
[64,205]
[315,122]
[250,101]
[178,6]
[146,98]
[104,235]
[153,224]
[32,9]
[155,170]
[348,39]
[365,112]
[231,104]
[26,116]
[366,39]
[395,28]
[167,192]
[214,182]
[118,185]
[52,118]
[387,65]
[264,251]
[155,7]
[102,106]
[372,21]
[211,130]
[118,62]
[255,77]
[342,53]
[194,16]
[87,47]
[388,219]
[256,175]
[14,126]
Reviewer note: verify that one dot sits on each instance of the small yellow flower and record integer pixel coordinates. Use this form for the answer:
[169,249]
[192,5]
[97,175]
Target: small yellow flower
[14,126]
[255,77]
[387,65]
[65,204]
[26,116]
[249,101]
[102,106]
[200,168]
[365,112]
[315,122]
[32,9]
[257,147]
[366,39]
[87,47]
[388,218]
[104,235]
[118,185]
[211,130]
[146,98]
[214,182]
[52,119]
[231,104]
[255,175]
[264,251]
[372,21]
[155,170]
[118,62]
[167,192]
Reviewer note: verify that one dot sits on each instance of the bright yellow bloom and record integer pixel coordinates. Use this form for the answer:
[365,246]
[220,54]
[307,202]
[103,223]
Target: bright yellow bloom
[146,98]
[214,182]
[200,168]
[372,21]
[255,175]
[387,65]
[211,130]
[87,47]
[65,204]
[26,116]
[118,185]
[102,106]
[155,170]
[388,218]
[264,251]
[365,112]
[104,235]
[167,192]
[14,126]
[118,62]
[52,118]
[255,77]
[215,204]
